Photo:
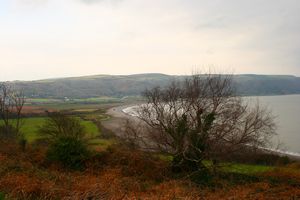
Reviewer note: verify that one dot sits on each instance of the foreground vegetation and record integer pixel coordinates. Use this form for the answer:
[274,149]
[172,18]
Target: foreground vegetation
[119,171]
[122,173]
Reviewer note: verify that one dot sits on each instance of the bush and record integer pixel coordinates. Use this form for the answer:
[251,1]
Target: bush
[8,132]
[2,196]
[202,177]
[131,163]
[69,152]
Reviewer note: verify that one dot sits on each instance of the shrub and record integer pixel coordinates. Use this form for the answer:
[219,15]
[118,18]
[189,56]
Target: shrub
[202,178]
[8,132]
[131,163]
[2,196]
[69,152]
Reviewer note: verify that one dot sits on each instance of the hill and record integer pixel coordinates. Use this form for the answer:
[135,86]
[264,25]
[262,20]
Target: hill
[131,85]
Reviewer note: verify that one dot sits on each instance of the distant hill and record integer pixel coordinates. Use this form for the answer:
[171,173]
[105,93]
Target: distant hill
[131,85]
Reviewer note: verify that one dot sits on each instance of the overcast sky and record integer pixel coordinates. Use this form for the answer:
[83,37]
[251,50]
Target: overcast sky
[58,38]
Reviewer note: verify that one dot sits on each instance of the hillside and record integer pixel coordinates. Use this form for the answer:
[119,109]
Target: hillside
[130,85]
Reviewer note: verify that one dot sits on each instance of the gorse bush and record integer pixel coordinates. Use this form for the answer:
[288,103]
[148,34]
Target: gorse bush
[68,151]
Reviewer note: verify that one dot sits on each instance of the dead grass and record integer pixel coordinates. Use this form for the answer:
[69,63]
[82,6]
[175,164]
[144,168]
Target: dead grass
[121,173]
[261,190]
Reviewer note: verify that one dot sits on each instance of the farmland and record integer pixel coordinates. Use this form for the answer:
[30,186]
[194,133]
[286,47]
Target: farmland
[89,115]
[31,126]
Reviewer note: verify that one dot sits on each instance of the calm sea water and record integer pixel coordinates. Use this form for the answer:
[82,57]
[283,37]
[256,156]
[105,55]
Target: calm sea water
[286,108]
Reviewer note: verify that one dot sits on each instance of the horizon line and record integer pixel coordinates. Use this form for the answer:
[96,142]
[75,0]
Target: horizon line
[147,73]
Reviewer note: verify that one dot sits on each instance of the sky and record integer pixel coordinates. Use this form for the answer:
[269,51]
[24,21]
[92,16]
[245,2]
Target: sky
[54,38]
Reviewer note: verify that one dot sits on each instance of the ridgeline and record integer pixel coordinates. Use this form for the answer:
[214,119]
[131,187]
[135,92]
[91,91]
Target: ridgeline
[133,85]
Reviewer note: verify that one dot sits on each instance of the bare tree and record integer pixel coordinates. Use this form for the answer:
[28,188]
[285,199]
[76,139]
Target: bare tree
[202,118]
[11,105]
[60,125]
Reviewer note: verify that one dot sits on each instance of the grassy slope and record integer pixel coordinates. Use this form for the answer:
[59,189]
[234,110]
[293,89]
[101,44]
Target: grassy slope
[231,167]
[246,168]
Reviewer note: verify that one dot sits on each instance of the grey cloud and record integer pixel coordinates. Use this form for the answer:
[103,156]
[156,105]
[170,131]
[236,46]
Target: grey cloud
[269,28]
[236,13]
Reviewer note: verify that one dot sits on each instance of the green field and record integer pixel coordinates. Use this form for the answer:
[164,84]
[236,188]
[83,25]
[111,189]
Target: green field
[84,103]
[73,106]
[98,100]
[89,111]
[31,125]
[43,100]
[94,100]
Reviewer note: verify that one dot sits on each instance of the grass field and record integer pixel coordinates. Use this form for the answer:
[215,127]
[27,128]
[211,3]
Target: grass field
[86,103]
[74,106]
[99,100]
[88,110]
[41,100]
[93,100]
[31,125]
